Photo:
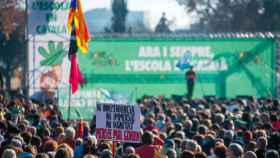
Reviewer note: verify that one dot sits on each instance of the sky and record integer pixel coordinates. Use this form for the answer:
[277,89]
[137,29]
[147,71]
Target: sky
[174,12]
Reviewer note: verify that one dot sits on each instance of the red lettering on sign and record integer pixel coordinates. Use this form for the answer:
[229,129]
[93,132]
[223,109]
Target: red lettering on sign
[132,136]
[103,133]
[117,134]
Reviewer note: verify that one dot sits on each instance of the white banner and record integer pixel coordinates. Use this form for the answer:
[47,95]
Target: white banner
[48,65]
[118,122]
[48,44]
[47,20]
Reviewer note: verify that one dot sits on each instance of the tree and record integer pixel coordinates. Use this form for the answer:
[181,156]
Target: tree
[12,38]
[119,9]
[235,15]
[162,26]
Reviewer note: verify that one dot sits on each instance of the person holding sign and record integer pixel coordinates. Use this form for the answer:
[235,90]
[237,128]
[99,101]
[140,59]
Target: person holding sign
[190,78]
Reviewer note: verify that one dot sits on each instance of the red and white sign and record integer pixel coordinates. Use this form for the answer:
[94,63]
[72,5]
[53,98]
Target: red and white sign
[118,122]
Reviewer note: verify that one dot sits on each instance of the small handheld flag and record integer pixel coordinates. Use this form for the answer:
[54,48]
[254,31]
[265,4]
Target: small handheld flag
[184,61]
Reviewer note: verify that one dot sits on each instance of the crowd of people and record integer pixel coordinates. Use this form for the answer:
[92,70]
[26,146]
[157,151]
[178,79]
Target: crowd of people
[171,128]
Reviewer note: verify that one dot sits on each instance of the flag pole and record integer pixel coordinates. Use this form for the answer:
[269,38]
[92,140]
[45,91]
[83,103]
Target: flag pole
[69,103]
[114,142]
[114,148]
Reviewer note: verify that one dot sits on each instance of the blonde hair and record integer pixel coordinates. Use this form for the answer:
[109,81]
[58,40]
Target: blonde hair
[9,153]
[89,156]
[67,148]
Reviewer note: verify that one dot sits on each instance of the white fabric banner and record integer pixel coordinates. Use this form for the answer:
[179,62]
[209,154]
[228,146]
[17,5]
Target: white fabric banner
[118,122]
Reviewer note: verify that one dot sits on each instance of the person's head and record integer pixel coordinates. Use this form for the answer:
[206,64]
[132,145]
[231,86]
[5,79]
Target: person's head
[273,117]
[30,149]
[229,124]
[187,154]
[27,136]
[161,117]
[201,155]
[149,121]
[261,143]
[260,133]
[67,148]
[169,143]
[59,130]
[234,151]
[50,145]
[179,134]
[9,153]
[18,143]
[251,146]
[202,129]
[62,153]
[32,130]
[248,136]
[70,133]
[79,142]
[106,154]
[90,141]
[220,150]
[148,138]
[191,67]
[42,155]
[162,135]
[46,132]
[219,118]
[51,154]
[188,124]
[171,153]
[271,154]
[89,156]
[104,145]
[229,135]
[36,141]
[250,154]
[190,145]
[133,156]
[178,126]
[128,150]
[199,138]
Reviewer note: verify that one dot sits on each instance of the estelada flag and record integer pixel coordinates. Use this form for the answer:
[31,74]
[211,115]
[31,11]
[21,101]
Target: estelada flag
[76,77]
[77,22]
[79,39]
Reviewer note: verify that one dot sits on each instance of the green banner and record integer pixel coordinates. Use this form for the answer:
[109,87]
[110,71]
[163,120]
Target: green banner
[225,67]
[121,70]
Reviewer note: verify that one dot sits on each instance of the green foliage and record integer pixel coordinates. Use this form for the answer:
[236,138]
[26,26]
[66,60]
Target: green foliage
[54,55]
[235,15]
[12,39]
[119,9]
